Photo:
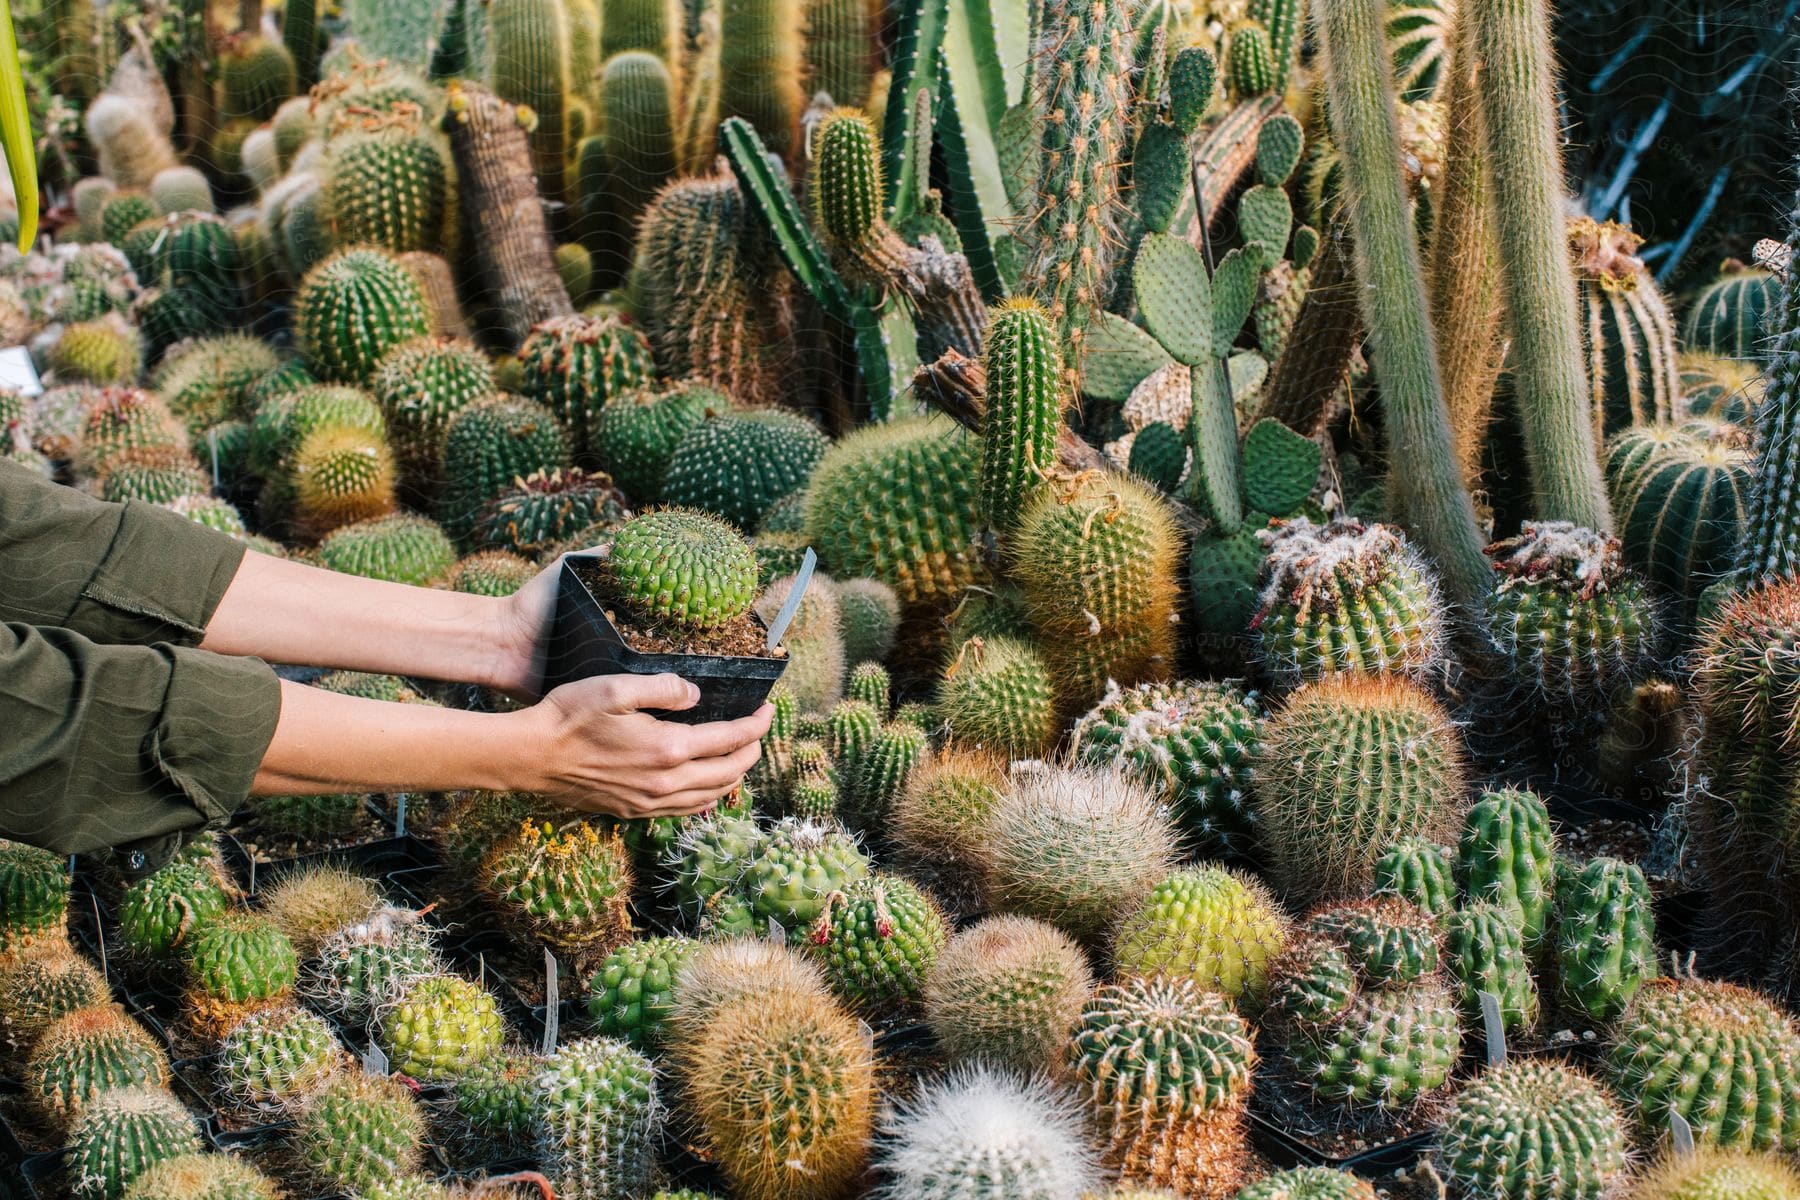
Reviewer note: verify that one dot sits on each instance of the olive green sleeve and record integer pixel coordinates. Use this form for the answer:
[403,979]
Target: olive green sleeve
[119,573]
[125,745]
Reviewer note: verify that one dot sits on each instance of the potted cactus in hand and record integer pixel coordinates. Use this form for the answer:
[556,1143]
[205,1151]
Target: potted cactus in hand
[670,594]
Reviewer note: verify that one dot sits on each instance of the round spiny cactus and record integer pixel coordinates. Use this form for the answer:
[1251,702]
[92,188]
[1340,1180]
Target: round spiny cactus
[575,365]
[438,1025]
[878,939]
[1420,872]
[1532,1130]
[1712,1174]
[34,895]
[1006,991]
[1346,598]
[684,567]
[1193,741]
[1682,494]
[796,870]
[38,990]
[282,422]
[161,911]
[122,1134]
[721,974]
[487,445]
[340,475]
[940,813]
[123,419]
[632,992]
[995,695]
[596,1120]
[990,1133]
[203,1176]
[421,385]
[709,857]
[362,966]
[498,1097]
[1075,846]
[1309,1183]
[389,183]
[1349,766]
[1507,857]
[1385,940]
[783,1089]
[89,1051]
[491,573]
[310,905]
[104,351]
[870,614]
[1212,925]
[236,962]
[547,508]
[156,476]
[1724,1057]
[635,435]
[1165,1069]
[400,548]
[360,1131]
[276,1057]
[353,308]
[210,380]
[739,462]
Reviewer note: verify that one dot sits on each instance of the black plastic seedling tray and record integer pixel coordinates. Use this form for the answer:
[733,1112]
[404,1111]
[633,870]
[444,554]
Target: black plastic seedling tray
[584,643]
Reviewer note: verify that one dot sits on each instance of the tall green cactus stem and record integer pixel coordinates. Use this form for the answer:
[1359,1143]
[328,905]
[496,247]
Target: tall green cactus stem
[1771,547]
[1605,937]
[1486,952]
[1429,494]
[1086,73]
[1512,42]
[1283,21]
[760,66]
[490,142]
[1507,857]
[654,25]
[529,43]
[637,92]
[1024,408]
[843,48]
[300,34]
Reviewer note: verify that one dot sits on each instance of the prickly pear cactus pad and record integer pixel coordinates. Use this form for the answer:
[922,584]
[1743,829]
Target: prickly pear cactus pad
[682,567]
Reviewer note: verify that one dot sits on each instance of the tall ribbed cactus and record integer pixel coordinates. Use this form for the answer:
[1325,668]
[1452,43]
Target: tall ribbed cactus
[1282,20]
[653,25]
[637,92]
[530,65]
[1024,408]
[1086,72]
[1772,544]
[843,49]
[1429,491]
[1512,40]
[760,60]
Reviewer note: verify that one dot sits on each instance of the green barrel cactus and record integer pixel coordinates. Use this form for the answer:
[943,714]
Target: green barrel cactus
[491,573]
[236,963]
[1308,1183]
[1213,925]
[1351,765]
[896,501]
[1194,741]
[280,423]
[122,1134]
[161,911]
[498,1097]
[90,1051]
[634,437]
[684,567]
[1006,991]
[709,857]
[389,183]
[877,940]
[118,420]
[360,1132]
[596,1120]
[153,476]
[1507,857]
[1533,1130]
[1165,1071]
[203,1176]
[34,895]
[488,444]
[1024,408]
[1420,872]
[401,548]
[339,475]
[797,869]
[353,308]
[570,886]
[1075,846]
[1722,1056]
[360,967]
[996,695]
[1572,624]
[1712,1174]
[1732,316]
[1605,937]
[575,365]
[1485,950]
[42,988]
[631,993]
[275,1058]
[1346,598]
[1630,334]
[439,1025]
[1682,495]
[737,463]
[546,509]
[421,385]
[104,351]
[869,612]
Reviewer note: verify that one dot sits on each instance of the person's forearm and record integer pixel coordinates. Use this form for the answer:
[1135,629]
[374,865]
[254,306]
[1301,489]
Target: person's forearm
[288,612]
[326,743]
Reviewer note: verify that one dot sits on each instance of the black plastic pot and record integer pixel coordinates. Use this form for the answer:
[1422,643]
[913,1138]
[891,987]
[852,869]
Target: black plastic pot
[584,643]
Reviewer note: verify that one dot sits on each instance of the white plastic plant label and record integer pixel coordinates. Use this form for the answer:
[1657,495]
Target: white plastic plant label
[552,1005]
[1496,1029]
[17,372]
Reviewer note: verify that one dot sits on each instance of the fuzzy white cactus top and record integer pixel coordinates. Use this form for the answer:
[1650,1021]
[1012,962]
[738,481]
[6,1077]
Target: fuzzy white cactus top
[1558,552]
[1306,560]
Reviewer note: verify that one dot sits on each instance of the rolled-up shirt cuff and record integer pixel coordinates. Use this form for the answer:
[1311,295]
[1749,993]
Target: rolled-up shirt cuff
[160,580]
[217,721]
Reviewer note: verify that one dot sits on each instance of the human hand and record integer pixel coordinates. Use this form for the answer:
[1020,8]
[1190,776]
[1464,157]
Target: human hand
[523,630]
[598,751]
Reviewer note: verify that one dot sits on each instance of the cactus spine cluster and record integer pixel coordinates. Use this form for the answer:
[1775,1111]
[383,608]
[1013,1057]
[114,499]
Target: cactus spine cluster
[1533,1130]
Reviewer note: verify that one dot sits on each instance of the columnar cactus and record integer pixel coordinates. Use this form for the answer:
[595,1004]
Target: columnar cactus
[996,695]
[569,886]
[1419,872]
[360,1132]
[87,1052]
[1006,991]
[530,66]
[760,62]
[1533,1130]
[276,1057]
[1346,598]
[1486,952]
[596,1120]
[1165,1071]
[1507,856]
[1722,1056]
[1193,741]
[1024,408]
[1605,937]
[683,567]
[121,1135]
[878,940]
[1213,925]
[1074,846]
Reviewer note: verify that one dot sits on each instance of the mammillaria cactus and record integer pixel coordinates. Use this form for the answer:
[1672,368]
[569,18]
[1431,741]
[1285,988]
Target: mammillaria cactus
[996,695]
[1507,856]
[1309,1183]
[203,1176]
[1209,924]
[1006,991]
[438,1025]
[1605,937]
[988,1132]
[877,940]
[1708,1173]
[361,966]
[87,1052]
[122,1134]
[939,815]
[1348,767]
[632,992]
[498,1097]
[1075,846]
[596,1120]
[575,365]
[783,1087]
[422,384]
[739,462]
[1346,598]
[276,1057]
[797,869]
[1165,1072]
[1573,625]
[1485,950]
[34,894]
[352,309]
[159,912]
[1533,1130]
[1722,1056]
[360,1131]
[236,963]
[400,548]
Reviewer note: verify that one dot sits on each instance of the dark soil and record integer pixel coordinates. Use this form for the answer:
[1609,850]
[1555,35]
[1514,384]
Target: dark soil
[741,637]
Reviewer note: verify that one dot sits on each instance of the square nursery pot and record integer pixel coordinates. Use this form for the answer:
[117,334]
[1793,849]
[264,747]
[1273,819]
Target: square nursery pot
[584,642]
